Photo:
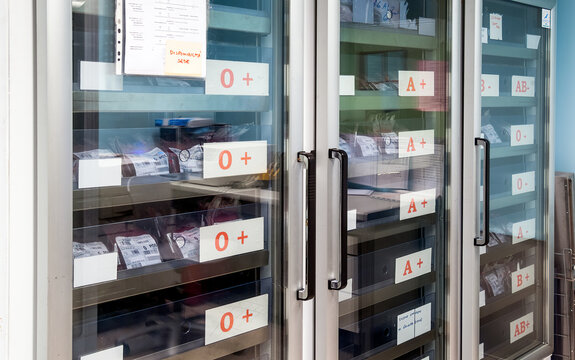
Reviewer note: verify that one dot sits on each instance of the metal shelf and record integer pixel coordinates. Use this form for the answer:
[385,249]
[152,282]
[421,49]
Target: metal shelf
[508,51]
[378,36]
[215,350]
[504,250]
[400,349]
[501,152]
[358,237]
[356,303]
[507,101]
[505,301]
[219,16]
[501,202]
[376,100]
[161,276]
[99,198]
[111,101]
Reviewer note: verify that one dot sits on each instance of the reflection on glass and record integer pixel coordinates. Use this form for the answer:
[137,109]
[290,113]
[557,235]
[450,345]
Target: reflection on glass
[393,118]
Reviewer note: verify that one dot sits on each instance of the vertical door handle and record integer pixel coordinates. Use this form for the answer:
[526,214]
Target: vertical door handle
[335,284]
[307,292]
[479,239]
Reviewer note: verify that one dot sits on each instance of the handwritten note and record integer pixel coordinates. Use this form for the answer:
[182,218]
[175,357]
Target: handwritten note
[165,37]
[184,58]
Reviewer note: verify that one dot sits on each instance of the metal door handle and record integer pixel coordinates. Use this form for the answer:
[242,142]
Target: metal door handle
[307,292]
[335,284]
[479,239]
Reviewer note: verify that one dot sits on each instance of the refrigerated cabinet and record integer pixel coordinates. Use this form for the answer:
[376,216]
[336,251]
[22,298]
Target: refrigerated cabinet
[171,258]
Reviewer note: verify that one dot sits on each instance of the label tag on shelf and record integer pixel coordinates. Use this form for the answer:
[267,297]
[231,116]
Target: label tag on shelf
[95,269]
[495,27]
[489,85]
[522,135]
[484,35]
[237,78]
[235,158]
[523,230]
[231,238]
[351,219]
[100,76]
[413,323]
[416,83]
[546,18]
[99,172]
[520,327]
[422,317]
[416,204]
[482,298]
[346,293]
[416,143]
[481,351]
[115,353]
[523,86]
[522,278]
[237,318]
[412,265]
[347,85]
[523,183]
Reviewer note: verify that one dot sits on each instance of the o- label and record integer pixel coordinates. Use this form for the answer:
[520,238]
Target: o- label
[225,84]
[223,322]
[228,163]
[226,241]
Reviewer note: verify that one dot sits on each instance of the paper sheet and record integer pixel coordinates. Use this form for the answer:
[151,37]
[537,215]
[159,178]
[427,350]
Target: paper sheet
[165,37]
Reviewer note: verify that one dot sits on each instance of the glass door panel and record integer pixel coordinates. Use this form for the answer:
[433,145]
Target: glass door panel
[394,117]
[178,133]
[515,119]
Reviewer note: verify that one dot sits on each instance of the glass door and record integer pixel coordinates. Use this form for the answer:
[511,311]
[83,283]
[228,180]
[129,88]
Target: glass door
[178,137]
[394,118]
[514,266]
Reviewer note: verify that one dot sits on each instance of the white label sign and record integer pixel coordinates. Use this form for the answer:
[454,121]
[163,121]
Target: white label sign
[489,85]
[231,320]
[522,278]
[523,230]
[422,319]
[99,172]
[520,327]
[416,83]
[237,78]
[495,27]
[100,76]
[412,265]
[346,293]
[523,183]
[231,238]
[416,143]
[523,86]
[481,351]
[482,298]
[116,353]
[405,327]
[416,204]
[95,269]
[484,35]
[351,219]
[235,158]
[347,85]
[522,135]
[546,18]
[413,323]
